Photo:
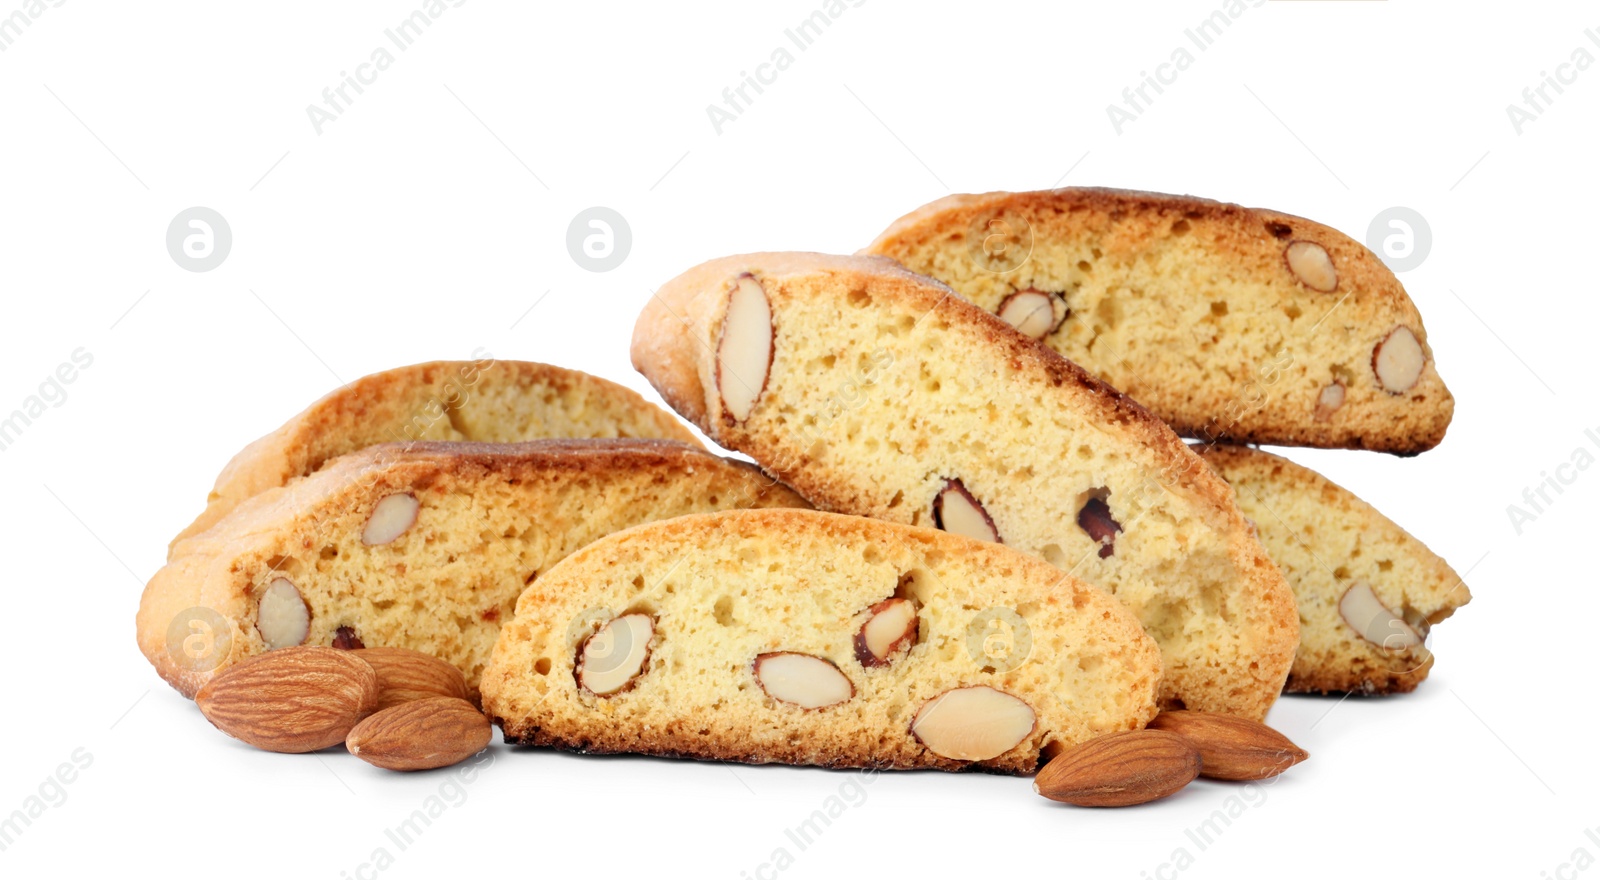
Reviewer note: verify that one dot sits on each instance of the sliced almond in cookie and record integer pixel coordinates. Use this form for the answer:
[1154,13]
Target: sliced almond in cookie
[282,617]
[1372,620]
[1328,401]
[1311,264]
[955,510]
[1398,360]
[1032,312]
[891,627]
[612,657]
[391,517]
[973,723]
[801,679]
[744,352]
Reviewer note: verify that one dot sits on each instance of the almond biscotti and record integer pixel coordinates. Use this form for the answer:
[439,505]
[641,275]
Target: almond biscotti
[878,392]
[485,400]
[813,638]
[416,545]
[1368,591]
[1225,321]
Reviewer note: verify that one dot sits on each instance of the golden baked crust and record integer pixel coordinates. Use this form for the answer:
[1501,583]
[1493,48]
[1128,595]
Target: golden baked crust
[1189,306]
[884,385]
[1326,539]
[726,587]
[491,518]
[486,400]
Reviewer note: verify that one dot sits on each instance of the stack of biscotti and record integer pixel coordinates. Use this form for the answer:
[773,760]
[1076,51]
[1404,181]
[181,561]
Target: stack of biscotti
[322,533]
[642,594]
[1234,325]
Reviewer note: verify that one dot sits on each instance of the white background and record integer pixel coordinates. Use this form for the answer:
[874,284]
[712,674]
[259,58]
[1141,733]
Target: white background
[429,219]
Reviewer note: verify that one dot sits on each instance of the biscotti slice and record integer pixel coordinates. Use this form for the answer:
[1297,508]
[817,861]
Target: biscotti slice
[484,400]
[1368,591]
[814,638]
[416,545]
[1225,321]
[878,392]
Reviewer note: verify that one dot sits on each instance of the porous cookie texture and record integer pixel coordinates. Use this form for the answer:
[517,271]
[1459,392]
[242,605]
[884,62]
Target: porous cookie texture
[1368,591]
[1227,322]
[484,400]
[735,635]
[417,545]
[884,394]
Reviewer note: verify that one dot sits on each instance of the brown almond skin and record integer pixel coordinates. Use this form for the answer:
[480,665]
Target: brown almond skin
[421,734]
[292,699]
[1232,748]
[405,675]
[1120,769]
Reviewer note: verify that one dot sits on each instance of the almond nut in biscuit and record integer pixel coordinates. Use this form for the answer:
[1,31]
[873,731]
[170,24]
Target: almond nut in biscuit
[1032,312]
[1398,360]
[613,656]
[973,723]
[1311,264]
[801,679]
[744,351]
[891,626]
[345,639]
[282,617]
[1329,401]
[390,518]
[1374,621]
[405,675]
[1120,769]
[421,735]
[291,700]
[1231,747]
[955,510]
[1102,528]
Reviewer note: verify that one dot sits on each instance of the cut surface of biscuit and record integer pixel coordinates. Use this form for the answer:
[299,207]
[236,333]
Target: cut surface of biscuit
[751,620]
[1224,321]
[886,395]
[417,545]
[485,400]
[1368,591]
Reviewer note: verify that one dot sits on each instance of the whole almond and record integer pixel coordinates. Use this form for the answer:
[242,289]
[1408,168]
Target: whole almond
[1231,747]
[292,699]
[405,675]
[421,734]
[1120,769]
